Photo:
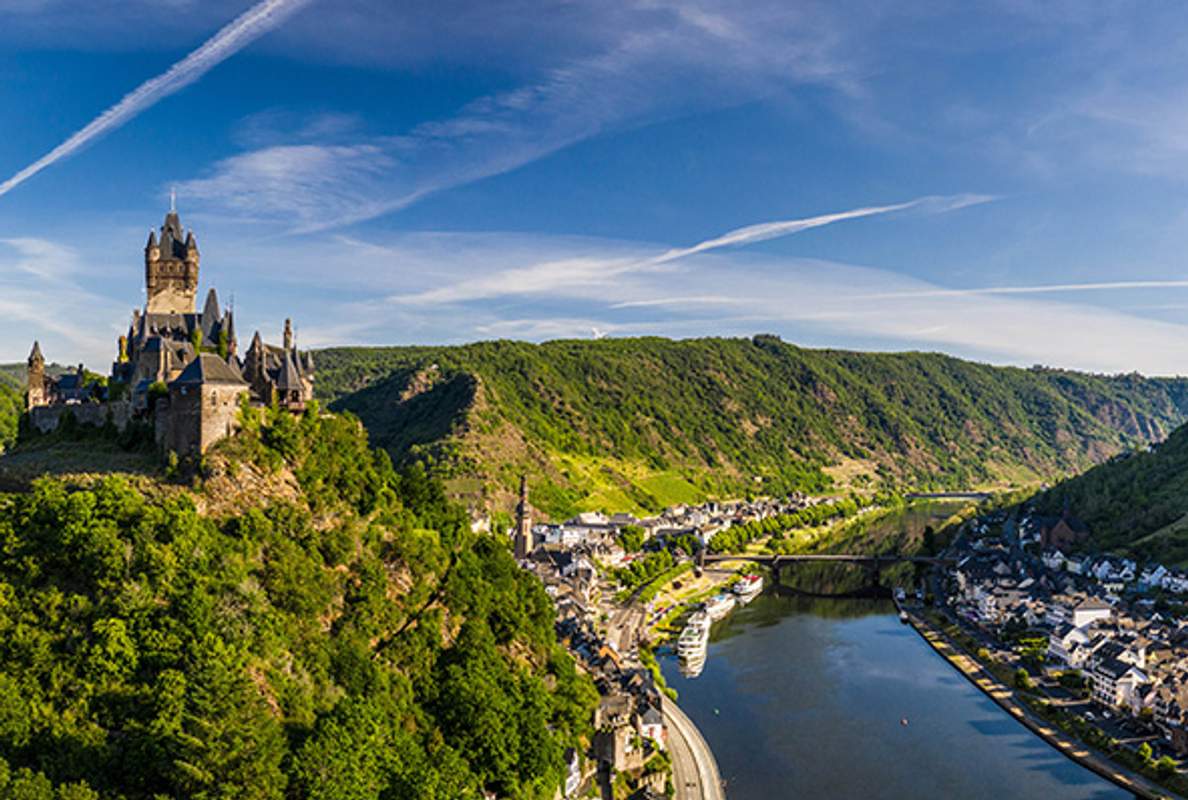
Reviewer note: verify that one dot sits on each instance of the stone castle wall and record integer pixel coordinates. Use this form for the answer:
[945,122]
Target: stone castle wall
[200,417]
[48,418]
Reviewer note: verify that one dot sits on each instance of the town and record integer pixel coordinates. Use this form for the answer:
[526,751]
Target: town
[1099,641]
[1093,637]
[642,734]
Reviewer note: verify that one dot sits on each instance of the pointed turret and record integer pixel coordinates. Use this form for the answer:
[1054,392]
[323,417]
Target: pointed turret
[37,394]
[289,379]
[229,328]
[171,268]
[172,226]
[210,316]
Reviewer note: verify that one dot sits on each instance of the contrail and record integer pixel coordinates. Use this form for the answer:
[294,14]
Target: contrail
[773,230]
[550,275]
[236,35]
[1037,289]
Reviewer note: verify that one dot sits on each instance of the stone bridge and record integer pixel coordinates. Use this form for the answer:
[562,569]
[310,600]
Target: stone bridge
[873,563]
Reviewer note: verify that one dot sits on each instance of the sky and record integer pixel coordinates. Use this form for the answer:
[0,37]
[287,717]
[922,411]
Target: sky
[1003,181]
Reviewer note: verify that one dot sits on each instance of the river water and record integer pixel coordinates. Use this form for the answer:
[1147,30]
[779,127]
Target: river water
[803,698]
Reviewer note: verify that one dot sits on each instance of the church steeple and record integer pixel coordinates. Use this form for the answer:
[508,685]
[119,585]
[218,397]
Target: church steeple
[522,536]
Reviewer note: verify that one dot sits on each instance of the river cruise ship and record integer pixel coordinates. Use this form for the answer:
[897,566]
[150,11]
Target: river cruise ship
[747,588]
[719,606]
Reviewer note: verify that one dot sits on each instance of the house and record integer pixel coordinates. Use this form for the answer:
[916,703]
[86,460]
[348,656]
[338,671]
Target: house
[1052,559]
[651,726]
[1062,532]
[1088,611]
[1067,645]
[1117,684]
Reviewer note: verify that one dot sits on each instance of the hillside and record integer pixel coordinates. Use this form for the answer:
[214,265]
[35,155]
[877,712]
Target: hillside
[641,423]
[12,399]
[1136,503]
[301,621]
[12,403]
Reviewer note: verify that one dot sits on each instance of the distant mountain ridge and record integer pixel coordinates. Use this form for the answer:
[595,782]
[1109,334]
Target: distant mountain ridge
[640,423]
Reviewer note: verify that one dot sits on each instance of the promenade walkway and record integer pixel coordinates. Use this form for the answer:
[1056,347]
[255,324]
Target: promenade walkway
[1004,697]
[694,770]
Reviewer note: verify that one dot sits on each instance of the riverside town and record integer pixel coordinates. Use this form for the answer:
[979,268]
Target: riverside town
[593,400]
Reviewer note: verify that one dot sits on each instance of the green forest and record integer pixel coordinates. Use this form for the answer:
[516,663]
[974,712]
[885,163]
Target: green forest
[12,403]
[644,423]
[349,639]
[1136,503]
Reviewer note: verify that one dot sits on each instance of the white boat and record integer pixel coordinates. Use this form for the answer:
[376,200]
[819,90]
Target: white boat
[691,669]
[719,606]
[692,642]
[747,588]
[699,619]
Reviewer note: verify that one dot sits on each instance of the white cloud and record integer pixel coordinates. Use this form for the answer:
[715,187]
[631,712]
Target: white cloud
[41,297]
[670,62]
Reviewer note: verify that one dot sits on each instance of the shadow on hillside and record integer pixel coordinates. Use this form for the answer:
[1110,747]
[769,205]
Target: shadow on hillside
[406,410]
[20,467]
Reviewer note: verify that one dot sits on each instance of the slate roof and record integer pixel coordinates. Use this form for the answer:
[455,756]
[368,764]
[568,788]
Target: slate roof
[209,368]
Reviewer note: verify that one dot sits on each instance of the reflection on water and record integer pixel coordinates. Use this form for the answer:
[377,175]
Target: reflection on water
[804,698]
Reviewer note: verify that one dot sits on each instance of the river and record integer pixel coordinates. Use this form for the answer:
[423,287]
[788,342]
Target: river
[803,698]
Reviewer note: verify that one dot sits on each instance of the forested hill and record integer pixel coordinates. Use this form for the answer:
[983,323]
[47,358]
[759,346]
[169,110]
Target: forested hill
[299,622]
[1136,503]
[640,423]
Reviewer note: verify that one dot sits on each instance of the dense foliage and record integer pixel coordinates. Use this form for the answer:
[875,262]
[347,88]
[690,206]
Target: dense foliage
[647,422]
[737,537]
[12,403]
[353,641]
[1135,503]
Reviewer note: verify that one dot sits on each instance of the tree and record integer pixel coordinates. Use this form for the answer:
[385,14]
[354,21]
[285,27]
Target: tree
[1165,767]
[1145,752]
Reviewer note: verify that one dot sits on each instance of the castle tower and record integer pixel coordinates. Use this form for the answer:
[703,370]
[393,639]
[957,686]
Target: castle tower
[36,373]
[171,268]
[288,335]
[522,537]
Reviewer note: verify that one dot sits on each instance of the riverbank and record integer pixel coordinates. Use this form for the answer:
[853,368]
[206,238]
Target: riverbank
[1005,698]
[695,774]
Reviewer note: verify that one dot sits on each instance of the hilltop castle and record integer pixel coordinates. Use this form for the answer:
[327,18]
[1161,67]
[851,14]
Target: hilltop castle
[177,366]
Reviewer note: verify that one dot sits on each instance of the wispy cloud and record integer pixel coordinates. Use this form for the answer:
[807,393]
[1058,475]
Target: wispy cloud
[1051,288]
[253,23]
[667,62]
[41,296]
[554,276]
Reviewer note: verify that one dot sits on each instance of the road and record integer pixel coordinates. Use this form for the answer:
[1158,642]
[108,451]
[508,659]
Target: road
[694,770]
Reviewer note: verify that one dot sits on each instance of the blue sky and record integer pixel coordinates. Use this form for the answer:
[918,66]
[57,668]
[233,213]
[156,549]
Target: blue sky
[1001,181]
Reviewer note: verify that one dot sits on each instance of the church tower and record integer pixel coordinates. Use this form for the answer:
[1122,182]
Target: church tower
[171,268]
[522,537]
[36,374]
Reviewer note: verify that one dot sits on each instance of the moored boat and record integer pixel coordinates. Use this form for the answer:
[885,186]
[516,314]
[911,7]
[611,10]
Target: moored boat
[747,588]
[718,606]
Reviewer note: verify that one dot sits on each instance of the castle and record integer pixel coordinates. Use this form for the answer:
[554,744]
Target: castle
[177,367]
